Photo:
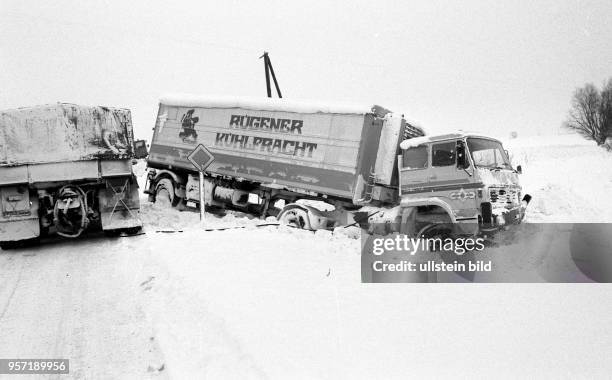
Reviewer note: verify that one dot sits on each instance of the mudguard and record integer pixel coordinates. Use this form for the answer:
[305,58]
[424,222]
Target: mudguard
[119,204]
[433,201]
[18,215]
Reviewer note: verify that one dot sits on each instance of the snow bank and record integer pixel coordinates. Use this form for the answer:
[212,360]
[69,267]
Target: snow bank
[569,178]
[247,303]
[285,303]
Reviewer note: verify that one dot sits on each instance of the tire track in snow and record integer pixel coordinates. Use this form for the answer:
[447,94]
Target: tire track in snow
[11,294]
[78,300]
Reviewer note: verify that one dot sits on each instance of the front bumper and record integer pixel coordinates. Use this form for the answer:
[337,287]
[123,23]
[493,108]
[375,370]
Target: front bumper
[513,216]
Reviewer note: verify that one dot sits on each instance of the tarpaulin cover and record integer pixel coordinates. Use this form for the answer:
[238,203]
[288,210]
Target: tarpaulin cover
[64,132]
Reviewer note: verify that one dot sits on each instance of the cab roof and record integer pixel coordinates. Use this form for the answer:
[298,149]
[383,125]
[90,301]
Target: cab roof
[414,142]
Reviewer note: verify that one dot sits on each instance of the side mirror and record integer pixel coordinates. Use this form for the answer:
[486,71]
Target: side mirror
[462,162]
[140,149]
[519,169]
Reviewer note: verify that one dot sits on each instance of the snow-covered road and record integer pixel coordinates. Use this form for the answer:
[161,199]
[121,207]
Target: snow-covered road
[78,300]
[261,303]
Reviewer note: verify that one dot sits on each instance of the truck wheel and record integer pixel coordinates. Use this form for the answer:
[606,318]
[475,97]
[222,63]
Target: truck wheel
[164,193]
[120,231]
[6,245]
[435,231]
[295,216]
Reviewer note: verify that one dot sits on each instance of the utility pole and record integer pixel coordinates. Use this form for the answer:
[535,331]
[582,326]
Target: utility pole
[270,70]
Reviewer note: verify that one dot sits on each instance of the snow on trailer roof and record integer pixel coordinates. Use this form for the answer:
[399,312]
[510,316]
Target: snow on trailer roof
[264,104]
[416,141]
[52,105]
[55,106]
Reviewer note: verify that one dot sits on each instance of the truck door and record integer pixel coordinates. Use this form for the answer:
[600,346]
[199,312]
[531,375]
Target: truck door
[414,167]
[444,170]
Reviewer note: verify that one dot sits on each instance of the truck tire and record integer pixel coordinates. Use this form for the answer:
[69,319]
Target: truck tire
[164,193]
[6,245]
[435,231]
[295,216]
[120,231]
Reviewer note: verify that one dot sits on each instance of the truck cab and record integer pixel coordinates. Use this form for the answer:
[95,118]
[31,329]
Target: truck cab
[460,178]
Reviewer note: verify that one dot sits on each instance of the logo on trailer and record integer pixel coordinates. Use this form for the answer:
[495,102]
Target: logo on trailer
[188,122]
[462,195]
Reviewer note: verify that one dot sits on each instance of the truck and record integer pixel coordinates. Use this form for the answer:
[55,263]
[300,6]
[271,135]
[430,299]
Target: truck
[317,166]
[66,169]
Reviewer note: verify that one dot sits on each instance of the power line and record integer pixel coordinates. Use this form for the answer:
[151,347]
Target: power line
[167,37]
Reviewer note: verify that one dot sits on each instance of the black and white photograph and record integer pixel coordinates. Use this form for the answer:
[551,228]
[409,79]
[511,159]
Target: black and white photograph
[305,190]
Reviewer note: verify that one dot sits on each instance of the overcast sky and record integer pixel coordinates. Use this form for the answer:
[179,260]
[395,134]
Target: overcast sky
[474,65]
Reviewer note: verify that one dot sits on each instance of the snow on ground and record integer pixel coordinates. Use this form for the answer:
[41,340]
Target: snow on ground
[78,300]
[264,303]
[274,302]
[569,178]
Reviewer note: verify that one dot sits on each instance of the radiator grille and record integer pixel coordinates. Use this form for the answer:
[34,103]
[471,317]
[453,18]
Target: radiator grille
[411,131]
[503,196]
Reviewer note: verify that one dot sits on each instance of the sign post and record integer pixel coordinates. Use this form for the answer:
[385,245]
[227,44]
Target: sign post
[202,196]
[201,158]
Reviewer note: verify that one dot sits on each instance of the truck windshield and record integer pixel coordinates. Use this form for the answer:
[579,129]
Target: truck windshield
[488,153]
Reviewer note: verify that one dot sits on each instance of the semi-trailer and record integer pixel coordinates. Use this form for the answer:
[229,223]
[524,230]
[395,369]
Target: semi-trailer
[66,169]
[319,166]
